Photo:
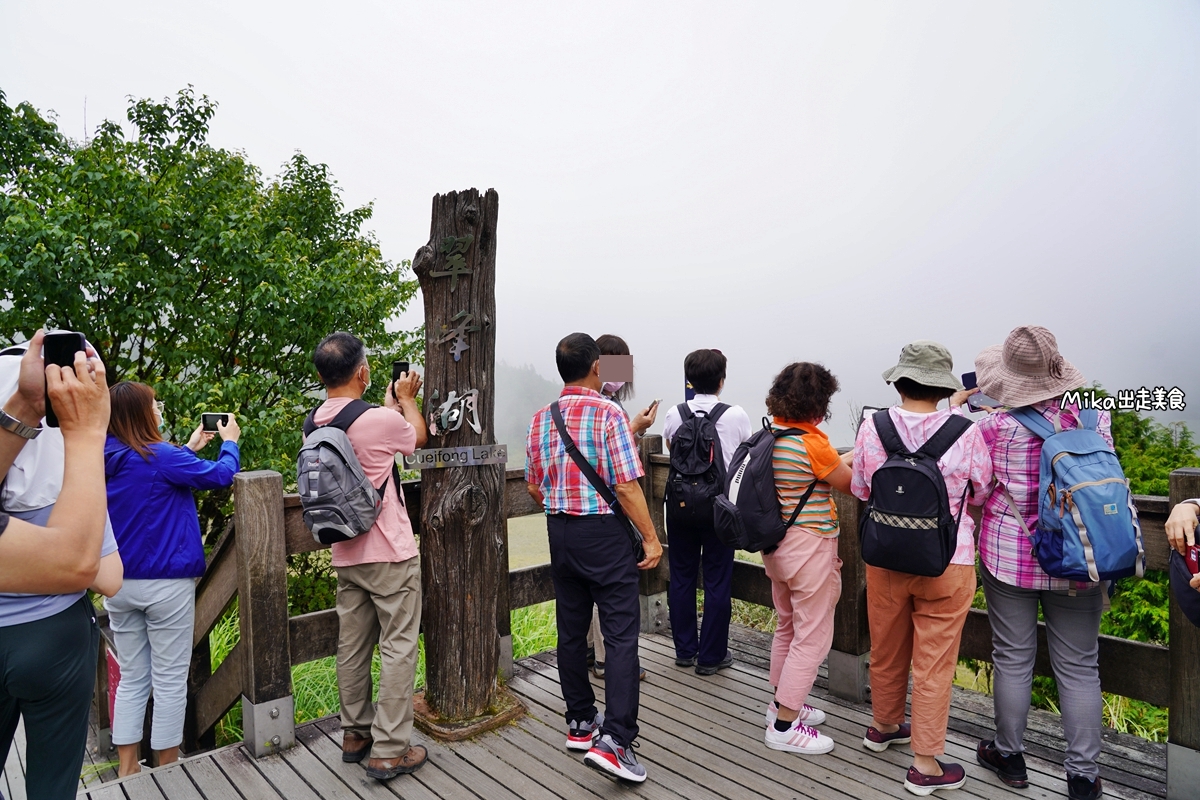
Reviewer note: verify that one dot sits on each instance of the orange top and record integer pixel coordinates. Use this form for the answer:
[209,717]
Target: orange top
[798,461]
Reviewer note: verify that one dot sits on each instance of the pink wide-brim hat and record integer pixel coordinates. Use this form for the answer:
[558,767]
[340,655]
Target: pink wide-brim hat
[1026,369]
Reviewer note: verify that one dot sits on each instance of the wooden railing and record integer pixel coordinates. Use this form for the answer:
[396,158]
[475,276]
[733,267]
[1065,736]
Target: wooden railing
[248,566]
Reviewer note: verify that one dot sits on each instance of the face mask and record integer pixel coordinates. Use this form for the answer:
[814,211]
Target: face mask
[612,387]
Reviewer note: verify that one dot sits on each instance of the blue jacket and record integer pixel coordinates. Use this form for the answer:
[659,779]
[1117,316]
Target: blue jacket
[152,508]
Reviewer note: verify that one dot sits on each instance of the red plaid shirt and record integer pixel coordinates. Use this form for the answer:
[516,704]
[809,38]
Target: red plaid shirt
[601,432]
[1016,457]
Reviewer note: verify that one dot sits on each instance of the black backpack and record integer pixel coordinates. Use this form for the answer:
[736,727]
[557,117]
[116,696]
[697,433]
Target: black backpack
[906,526]
[697,472]
[748,515]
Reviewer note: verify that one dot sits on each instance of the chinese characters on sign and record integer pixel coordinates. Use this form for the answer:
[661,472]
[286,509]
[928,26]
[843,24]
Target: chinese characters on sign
[455,249]
[459,333]
[449,416]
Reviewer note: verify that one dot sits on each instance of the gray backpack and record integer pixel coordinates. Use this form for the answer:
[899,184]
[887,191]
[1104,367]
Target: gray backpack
[339,501]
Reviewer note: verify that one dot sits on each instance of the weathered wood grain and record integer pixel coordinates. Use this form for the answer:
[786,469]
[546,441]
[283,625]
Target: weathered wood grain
[462,526]
[262,585]
[313,635]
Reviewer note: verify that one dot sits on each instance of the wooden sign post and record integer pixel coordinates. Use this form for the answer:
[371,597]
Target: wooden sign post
[462,520]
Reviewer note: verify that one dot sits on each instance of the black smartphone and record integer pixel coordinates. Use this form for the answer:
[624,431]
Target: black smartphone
[209,421]
[977,401]
[398,369]
[60,348]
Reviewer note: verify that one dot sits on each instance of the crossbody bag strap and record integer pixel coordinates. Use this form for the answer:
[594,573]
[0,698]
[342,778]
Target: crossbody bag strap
[584,465]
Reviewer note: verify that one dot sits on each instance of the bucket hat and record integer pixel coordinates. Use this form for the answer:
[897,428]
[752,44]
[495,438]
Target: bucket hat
[926,362]
[1026,369]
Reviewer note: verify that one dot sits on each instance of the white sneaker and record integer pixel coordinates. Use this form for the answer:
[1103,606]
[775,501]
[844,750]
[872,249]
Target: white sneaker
[808,714]
[799,738]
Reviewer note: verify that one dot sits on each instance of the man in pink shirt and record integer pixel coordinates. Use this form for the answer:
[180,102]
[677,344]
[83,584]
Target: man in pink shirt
[379,573]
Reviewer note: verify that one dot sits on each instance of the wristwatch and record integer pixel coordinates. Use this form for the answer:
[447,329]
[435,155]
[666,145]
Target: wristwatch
[15,426]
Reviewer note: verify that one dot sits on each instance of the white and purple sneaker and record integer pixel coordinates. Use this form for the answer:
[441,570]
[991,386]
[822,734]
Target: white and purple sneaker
[808,715]
[581,735]
[609,757]
[799,738]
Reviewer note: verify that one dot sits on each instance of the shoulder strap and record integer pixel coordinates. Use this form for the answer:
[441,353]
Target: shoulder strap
[15,350]
[716,411]
[586,468]
[1032,421]
[945,437]
[803,501]
[344,419]
[1089,418]
[888,437]
[685,412]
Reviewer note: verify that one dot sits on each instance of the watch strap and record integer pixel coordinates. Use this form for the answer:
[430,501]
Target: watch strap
[16,427]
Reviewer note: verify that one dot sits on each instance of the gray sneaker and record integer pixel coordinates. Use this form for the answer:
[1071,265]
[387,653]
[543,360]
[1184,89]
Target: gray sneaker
[608,756]
[581,734]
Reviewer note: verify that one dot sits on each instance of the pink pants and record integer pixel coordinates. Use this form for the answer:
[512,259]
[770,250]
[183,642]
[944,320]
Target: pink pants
[806,582]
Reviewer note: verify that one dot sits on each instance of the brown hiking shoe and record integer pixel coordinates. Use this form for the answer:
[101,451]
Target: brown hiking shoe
[355,747]
[387,768]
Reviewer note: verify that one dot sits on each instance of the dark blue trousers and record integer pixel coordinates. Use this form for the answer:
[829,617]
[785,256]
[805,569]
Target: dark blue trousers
[47,673]
[689,547]
[591,562]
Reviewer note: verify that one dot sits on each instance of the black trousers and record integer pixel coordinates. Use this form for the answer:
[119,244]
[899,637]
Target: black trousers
[591,562]
[691,547]
[47,674]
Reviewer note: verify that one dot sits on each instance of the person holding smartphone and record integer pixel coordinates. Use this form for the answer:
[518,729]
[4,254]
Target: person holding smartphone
[50,553]
[150,485]
[617,391]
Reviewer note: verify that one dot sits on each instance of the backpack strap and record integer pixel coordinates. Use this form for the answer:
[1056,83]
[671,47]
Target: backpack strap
[780,433]
[888,437]
[716,411]
[1089,418]
[15,350]
[1034,422]
[344,419]
[685,412]
[945,437]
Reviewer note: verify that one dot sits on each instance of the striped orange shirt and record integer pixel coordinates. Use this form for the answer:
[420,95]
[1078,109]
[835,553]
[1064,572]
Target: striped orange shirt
[798,461]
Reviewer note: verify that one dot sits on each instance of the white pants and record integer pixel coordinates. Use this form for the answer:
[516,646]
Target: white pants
[151,623]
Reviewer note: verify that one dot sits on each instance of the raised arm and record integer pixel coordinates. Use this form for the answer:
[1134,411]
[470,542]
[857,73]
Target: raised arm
[64,556]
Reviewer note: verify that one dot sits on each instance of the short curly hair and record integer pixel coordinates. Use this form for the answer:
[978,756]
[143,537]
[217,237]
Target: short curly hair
[801,392]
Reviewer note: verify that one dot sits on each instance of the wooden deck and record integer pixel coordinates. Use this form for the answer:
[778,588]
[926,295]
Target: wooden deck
[701,739]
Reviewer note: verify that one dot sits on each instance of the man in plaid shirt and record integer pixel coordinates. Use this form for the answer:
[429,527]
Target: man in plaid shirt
[591,557]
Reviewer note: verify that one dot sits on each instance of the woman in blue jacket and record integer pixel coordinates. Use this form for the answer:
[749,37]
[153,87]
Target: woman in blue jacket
[153,514]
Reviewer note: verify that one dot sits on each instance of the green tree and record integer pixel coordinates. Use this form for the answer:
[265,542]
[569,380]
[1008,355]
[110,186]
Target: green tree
[188,270]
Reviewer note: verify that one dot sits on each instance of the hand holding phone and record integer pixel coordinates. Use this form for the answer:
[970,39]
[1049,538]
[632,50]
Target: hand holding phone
[398,369]
[978,401]
[59,348]
[209,422]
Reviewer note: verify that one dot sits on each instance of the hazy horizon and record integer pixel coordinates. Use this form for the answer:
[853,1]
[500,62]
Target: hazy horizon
[782,181]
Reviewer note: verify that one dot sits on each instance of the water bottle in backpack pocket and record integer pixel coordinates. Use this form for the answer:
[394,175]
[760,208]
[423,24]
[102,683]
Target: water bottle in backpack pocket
[697,472]
[906,525]
[1087,527]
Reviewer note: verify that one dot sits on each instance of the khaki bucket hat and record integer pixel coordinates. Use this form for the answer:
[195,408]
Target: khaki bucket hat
[926,362]
[1026,369]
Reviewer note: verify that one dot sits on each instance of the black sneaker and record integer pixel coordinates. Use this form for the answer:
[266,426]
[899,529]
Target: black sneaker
[711,669]
[1080,788]
[1010,769]
[685,662]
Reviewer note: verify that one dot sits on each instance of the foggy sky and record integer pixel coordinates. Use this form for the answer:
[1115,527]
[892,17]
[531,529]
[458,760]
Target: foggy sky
[782,181]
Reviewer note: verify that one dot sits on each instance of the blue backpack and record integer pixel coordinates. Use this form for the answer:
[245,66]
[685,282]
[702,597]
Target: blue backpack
[1087,528]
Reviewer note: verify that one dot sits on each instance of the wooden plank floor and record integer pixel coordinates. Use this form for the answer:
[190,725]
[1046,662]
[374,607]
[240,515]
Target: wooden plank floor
[701,739]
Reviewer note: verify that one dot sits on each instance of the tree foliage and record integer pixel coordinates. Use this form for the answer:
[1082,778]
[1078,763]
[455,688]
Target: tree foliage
[187,269]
